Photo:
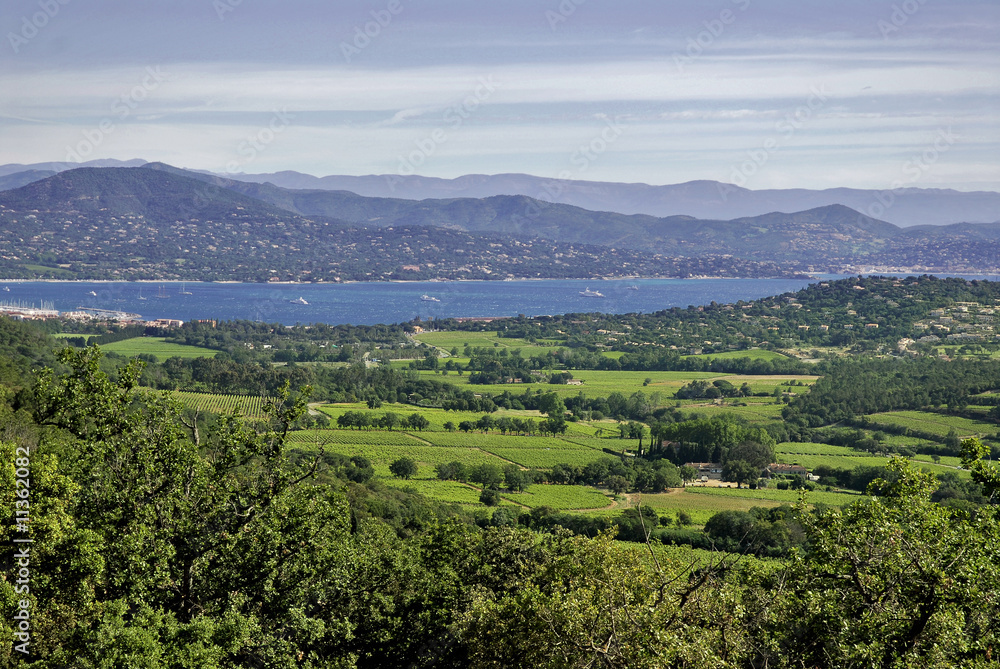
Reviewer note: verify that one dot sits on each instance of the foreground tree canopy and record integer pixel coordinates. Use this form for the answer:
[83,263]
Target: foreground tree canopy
[157,545]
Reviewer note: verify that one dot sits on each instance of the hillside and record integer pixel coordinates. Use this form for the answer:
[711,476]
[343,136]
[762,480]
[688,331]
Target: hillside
[699,199]
[831,238]
[160,222]
[138,223]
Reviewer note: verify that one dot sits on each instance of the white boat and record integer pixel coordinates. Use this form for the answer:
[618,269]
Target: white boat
[92,294]
[428,298]
[184,290]
[591,293]
[298,300]
[140,294]
[633,287]
[6,289]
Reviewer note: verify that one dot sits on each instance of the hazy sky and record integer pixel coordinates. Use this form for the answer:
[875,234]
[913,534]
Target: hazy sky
[765,94]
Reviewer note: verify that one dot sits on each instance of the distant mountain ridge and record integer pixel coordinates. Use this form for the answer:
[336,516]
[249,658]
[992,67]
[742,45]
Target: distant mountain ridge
[698,199]
[831,237]
[181,221]
[137,223]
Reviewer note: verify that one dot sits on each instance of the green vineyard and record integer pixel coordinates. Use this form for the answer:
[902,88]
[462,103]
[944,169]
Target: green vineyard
[246,405]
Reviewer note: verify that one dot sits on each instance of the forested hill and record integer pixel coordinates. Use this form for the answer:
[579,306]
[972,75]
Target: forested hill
[162,223]
[829,229]
[131,223]
[830,237]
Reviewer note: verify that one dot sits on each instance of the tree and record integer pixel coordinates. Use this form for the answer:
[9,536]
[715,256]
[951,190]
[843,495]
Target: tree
[489,497]
[449,426]
[515,479]
[174,532]
[757,454]
[740,471]
[389,420]
[617,484]
[452,471]
[896,581]
[417,421]
[487,475]
[551,405]
[404,468]
[485,422]
[688,473]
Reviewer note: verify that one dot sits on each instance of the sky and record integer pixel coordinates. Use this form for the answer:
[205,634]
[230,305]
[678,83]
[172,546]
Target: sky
[762,94]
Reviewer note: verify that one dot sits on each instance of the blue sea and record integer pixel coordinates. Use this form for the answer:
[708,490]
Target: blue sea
[371,303]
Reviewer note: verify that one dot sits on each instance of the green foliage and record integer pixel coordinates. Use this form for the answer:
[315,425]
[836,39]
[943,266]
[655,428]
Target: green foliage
[404,468]
[898,581]
[489,497]
[144,548]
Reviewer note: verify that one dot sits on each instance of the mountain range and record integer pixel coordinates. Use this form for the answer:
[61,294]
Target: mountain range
[140,223]
[159,221]
[711,200]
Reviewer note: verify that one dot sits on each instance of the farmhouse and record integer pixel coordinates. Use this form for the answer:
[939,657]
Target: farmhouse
[707,470]
[781,468]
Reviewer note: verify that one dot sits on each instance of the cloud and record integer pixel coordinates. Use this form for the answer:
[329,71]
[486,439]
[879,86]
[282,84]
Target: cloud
[229,75]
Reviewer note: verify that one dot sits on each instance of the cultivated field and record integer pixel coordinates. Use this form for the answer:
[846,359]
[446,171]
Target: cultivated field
[935,423]
[248,405]
[438,417]
[600,383]
[457,339]
[157,346]
[753,354]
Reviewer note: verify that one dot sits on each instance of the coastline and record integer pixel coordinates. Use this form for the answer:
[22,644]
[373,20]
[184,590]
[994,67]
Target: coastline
[700,277]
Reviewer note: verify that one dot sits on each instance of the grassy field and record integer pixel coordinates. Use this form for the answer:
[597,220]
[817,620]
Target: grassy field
[699,507]
[757,410]
[600,383]
[560,497]
[935,423]
[445,491]
[810,462]
[457,339]
[777,496]
[949,461]
[438,417]
[67,335]
[811,455]
[157,346]
[528,452]
[426,457]
[754,354]
[352,437]
[792,448]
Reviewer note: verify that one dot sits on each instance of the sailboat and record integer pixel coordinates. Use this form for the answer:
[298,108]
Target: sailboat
[140,293]
[161,294]
[183,290]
